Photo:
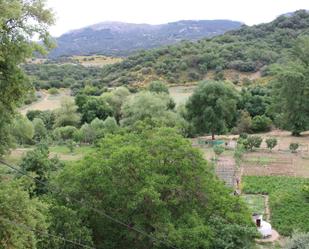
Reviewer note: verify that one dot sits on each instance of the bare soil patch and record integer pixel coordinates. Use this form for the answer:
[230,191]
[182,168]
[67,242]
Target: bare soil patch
[47,102]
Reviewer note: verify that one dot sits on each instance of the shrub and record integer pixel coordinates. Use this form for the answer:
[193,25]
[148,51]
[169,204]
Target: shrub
[298,241]
[293,147]
[53,91]
[252,142]
[271,143]
[218,150]
[261,123]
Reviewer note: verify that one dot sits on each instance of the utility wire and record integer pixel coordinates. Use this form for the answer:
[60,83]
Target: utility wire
[59,191]
[25,227]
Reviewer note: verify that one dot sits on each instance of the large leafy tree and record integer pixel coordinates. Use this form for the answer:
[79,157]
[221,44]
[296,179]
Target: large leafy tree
[152,107]
[291,91]
[212,107]
[20,217]
[156,182]
[20,21]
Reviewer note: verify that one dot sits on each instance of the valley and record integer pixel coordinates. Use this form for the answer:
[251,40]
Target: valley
[193,134]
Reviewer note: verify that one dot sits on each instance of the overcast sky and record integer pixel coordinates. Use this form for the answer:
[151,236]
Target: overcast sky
[74,14]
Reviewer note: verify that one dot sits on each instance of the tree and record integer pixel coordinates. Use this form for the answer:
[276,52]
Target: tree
[271,142]
[19,215]
[157,87]
[67,114]
[290,92]
[252,142]
[155,182]
[151,107]
[40,131]
[20,21]
[22,130]
[48,117]
[244,123]
[62,134]
[115,99]
[261,123]
[38,162]
[93,107]
[212,107]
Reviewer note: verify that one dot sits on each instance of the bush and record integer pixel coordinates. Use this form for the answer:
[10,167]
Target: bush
[218,150]
[293,147]
[53,91]
[252,142]
[298,241]
[261,123]
[271,143]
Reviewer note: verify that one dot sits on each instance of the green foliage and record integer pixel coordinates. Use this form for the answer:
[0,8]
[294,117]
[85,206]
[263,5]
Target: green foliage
[238,153]
[158,87]
[247,49]
[261,123]
[66,222]
[92,107]
[244,123]
[271,142]
[40,131]
[288,205]
[293,147]
[212,107]
[115,99]
[67,114]
[38,162]
[48,117]
[53,91]
[55,75]
[252,142]
[298,241]
[255,100]
[218,150]
[20,21]
[71,145]
[62,134]
[22,130]
[158,183]
[17,207]
[153,108]
[291,98]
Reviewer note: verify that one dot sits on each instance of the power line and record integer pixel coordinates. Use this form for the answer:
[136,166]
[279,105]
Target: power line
[59,191]
[25,227]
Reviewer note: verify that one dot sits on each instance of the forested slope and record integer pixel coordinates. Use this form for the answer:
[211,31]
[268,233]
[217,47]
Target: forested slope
[248,49]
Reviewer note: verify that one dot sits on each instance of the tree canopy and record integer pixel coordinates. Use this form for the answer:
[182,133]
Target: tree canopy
[156,182]
[20,21]
[212,107]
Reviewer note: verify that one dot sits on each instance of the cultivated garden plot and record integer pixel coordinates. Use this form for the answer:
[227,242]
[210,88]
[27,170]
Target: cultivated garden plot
[268,164]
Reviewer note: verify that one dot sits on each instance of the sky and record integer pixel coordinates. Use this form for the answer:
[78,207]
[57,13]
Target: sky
[74,14]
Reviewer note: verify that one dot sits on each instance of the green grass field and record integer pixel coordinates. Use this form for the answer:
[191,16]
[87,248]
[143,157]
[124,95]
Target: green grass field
[256,203]
[289,206]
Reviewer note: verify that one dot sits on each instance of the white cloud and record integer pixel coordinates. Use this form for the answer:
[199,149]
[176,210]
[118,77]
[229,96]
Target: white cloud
[73,14]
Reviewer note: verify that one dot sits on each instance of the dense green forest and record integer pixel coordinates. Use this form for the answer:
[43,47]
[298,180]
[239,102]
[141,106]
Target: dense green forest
[142,184]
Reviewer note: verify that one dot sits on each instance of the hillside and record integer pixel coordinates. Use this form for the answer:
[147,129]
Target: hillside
[116,38]
[248,49]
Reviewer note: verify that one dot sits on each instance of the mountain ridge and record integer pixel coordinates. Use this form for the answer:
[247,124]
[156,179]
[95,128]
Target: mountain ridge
[120,38]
